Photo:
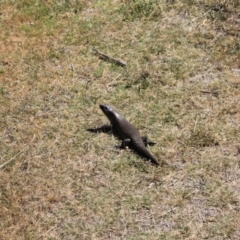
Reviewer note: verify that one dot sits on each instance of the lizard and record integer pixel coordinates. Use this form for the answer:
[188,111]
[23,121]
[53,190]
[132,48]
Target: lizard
[127,132]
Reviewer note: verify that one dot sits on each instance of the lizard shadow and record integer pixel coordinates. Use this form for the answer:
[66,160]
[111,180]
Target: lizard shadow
[102,129]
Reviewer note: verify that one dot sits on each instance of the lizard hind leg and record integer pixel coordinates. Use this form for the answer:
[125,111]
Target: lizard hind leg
[147,141]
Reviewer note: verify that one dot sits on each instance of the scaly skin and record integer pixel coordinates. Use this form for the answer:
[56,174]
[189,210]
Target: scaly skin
[127,132]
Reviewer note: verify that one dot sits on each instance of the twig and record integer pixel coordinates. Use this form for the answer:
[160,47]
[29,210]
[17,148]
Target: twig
[214,93]
[109,58]
[200,16]
[195,125]
[10,160]
[72,67]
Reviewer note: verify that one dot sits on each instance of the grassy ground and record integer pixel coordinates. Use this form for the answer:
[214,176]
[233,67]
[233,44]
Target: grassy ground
[181,87]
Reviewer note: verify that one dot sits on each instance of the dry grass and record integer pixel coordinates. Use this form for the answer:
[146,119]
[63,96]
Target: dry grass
[181,87]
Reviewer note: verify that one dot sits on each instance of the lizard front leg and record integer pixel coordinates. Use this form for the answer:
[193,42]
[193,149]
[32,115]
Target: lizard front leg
[126,142]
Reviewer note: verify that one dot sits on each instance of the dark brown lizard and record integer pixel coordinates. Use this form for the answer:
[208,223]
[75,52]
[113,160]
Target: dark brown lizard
[128,133]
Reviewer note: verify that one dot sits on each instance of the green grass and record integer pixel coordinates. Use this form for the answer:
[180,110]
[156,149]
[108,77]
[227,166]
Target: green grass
[180,88]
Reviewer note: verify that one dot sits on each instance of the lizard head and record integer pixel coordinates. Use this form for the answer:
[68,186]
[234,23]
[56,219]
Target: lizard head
[109,112]
[106,108]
